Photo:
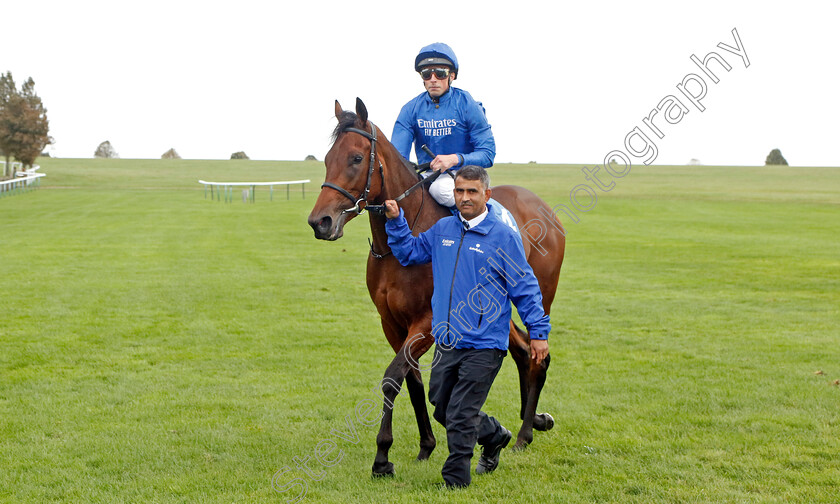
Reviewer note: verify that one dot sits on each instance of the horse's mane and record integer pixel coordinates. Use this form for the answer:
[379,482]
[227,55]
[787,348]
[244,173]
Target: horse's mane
[347,120]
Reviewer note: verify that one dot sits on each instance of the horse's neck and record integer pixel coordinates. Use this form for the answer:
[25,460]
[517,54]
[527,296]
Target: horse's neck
[421,211]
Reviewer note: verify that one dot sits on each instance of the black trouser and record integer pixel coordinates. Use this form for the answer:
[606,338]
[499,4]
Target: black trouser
[458,387]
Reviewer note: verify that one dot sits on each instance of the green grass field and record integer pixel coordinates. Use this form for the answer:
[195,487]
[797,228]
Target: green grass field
[157,346]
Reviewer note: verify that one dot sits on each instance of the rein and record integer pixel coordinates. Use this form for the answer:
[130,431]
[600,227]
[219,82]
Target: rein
[363,198]
[380,209]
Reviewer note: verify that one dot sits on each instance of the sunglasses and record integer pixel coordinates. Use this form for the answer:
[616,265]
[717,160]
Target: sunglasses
[439,73]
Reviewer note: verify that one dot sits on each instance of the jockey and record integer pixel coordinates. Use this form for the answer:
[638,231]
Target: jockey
[446,119]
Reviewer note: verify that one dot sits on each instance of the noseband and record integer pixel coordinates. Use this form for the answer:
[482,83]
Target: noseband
[363,198]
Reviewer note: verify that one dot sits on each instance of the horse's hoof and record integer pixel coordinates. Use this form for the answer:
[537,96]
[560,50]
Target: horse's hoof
[424,454]
[385,471]
[543,422]
[520,445]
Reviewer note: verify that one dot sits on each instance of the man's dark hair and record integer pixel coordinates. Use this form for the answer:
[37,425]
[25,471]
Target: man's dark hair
[473,172]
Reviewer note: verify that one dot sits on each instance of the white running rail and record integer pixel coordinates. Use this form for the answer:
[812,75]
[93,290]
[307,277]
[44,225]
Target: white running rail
[217,188]
[23,180]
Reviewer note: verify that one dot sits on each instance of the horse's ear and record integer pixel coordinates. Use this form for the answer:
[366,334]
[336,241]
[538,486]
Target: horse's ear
[338,110]
[361,111]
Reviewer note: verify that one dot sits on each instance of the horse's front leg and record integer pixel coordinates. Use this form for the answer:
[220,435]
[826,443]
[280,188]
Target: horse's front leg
[413,349]
[404,366]
[390,387]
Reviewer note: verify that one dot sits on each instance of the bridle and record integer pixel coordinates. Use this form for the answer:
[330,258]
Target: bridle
[363,198]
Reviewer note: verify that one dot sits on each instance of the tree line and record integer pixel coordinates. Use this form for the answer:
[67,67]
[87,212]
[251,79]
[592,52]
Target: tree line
[24,128]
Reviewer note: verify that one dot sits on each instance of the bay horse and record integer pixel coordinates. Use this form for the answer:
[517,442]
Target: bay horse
[364,170]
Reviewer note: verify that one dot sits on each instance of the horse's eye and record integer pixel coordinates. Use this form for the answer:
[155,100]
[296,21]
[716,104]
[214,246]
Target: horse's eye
[357,159]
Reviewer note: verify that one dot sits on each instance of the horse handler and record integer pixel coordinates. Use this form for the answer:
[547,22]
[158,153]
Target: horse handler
[479,268]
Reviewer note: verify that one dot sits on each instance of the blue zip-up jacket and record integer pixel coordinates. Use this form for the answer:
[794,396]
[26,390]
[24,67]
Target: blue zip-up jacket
[455,125]
[477,273]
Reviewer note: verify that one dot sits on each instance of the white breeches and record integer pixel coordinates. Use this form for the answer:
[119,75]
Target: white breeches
[443,190]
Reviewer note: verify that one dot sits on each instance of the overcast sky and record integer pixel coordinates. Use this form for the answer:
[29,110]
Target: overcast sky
[562,82]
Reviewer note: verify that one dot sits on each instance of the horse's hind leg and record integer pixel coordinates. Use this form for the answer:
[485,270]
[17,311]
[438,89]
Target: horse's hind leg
[521,354]
[531,380]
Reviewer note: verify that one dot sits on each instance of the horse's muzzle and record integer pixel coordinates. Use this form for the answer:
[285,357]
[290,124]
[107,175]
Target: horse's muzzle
[326,228]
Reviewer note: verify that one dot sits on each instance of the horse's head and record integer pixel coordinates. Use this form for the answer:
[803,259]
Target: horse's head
[353,176]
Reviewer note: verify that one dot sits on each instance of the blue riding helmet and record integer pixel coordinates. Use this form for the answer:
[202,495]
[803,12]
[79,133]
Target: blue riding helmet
[436,54]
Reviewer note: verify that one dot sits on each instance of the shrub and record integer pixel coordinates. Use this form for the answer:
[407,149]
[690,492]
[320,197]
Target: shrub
[775,158]
[106,150]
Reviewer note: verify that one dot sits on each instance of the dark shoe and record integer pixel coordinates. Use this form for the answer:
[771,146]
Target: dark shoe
[489,460]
